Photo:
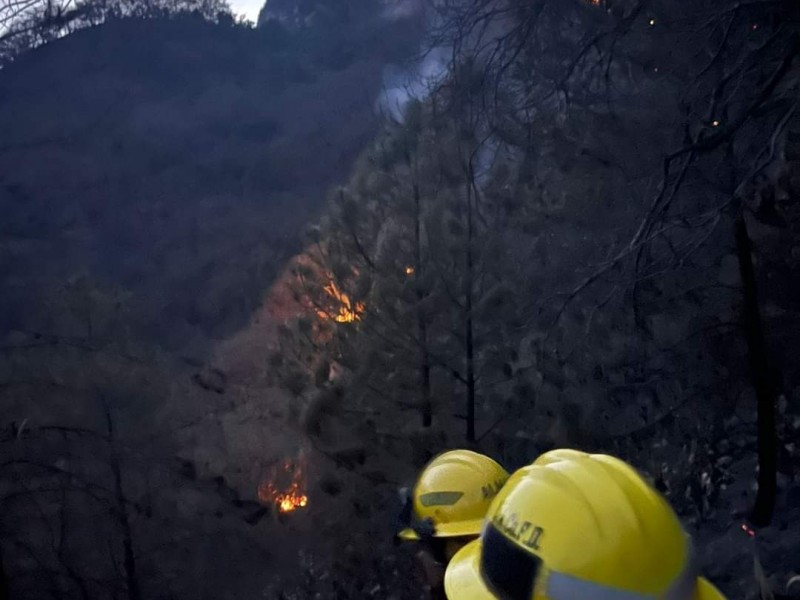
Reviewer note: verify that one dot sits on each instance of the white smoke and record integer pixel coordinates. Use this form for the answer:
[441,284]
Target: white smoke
[404,84]
[401,9]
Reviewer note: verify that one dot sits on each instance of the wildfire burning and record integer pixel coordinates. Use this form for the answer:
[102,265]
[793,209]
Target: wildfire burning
[346,310]
[291,501]
[284,487]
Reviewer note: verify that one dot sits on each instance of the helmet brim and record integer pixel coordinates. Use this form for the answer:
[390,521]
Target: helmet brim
[706,591]
[408,535]
[462,579]
[468,528]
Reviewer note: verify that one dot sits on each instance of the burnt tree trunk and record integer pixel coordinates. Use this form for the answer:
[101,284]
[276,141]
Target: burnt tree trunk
[469,335]
[129,557]
[761,514]
[422,321]
[3,577]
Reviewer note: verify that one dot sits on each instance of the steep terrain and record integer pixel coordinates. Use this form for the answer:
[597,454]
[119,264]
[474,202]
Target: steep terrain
[154,177]
[176,159]
[545,251]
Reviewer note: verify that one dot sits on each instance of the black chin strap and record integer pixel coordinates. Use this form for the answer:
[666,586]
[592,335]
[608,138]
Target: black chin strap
[424,528]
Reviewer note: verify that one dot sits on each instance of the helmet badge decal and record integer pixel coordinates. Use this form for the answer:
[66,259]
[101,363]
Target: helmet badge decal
[491,490]
[524,532]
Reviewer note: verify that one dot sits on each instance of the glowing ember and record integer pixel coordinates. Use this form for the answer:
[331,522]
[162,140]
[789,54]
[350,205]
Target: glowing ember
[346,311]
[284,488]
[409,270]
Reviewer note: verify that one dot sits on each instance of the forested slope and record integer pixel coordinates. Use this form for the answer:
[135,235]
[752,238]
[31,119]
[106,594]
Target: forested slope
[583,234]
[175,158]
[155,172]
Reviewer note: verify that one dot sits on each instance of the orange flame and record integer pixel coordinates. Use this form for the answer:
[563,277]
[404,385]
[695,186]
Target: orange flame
[289,502]
[289,496]
[346,311]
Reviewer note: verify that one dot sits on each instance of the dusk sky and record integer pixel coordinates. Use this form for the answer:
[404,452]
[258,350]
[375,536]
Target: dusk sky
[248,8]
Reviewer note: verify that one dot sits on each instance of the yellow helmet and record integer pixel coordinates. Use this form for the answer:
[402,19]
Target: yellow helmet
[453,492]
[578,526]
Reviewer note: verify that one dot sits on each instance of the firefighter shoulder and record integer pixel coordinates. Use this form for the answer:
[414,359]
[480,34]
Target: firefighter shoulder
[451,496]
[578,526]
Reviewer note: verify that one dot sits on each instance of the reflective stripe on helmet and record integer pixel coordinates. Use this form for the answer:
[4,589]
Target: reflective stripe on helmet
[566,587]
[440,498]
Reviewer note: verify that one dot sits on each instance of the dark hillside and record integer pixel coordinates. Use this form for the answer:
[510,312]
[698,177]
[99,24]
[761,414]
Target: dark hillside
[161,154]
[154,176]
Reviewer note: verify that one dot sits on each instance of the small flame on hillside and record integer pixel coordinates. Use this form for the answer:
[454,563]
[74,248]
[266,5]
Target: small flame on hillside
[346,311]
[285,486]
